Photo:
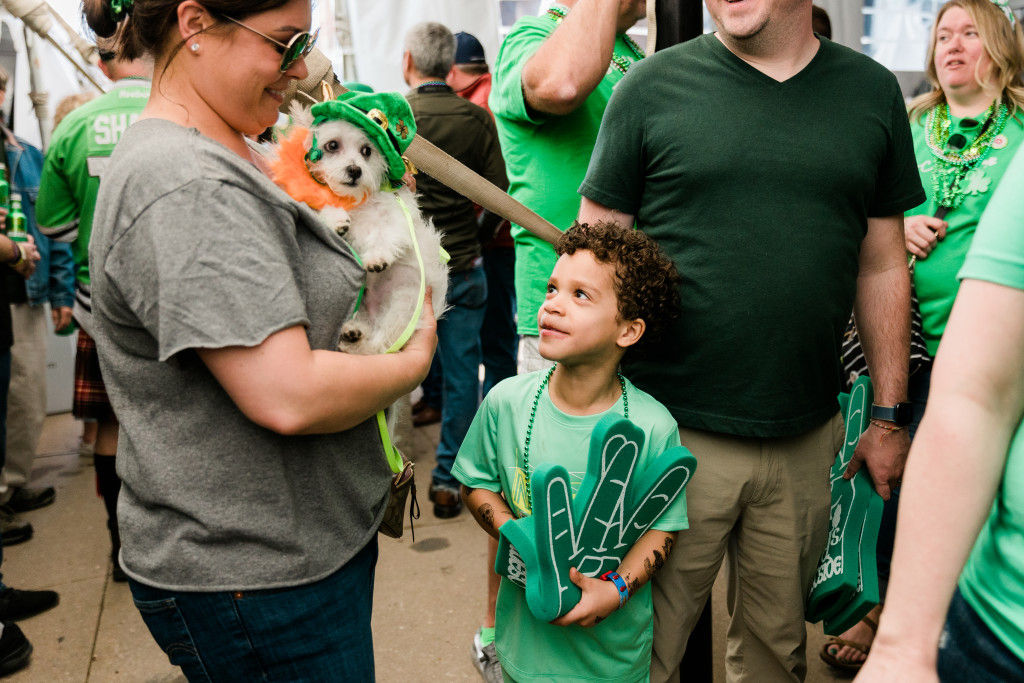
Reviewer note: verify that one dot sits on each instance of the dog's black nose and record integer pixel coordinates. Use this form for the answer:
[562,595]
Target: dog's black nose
[354,172]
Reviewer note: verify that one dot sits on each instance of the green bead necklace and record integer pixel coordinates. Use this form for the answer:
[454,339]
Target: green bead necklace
[533,416]
[954,167]
[558,12]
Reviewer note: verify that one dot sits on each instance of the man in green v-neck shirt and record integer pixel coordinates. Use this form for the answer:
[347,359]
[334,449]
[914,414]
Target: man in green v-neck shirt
[774,167]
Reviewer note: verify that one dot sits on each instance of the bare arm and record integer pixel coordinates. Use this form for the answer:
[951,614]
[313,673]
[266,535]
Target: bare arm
[601,598]
[591,211]
[285,386]
[975,405]
[489,509]
[572,61]
[882,311]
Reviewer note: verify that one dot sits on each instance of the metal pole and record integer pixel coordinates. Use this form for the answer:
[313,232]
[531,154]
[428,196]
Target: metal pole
[37,95]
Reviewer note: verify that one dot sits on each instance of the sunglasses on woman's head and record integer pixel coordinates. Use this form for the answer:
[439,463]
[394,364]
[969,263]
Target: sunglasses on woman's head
[300,45]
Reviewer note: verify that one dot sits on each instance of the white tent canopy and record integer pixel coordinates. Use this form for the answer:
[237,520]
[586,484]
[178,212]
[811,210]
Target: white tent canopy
[379,28]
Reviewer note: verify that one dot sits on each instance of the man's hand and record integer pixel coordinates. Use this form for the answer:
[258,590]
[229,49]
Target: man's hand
[61,317]
[885,454]
[923,233]
[29,257]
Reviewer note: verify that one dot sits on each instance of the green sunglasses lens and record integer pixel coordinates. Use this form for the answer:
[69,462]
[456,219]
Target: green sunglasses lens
[299,46]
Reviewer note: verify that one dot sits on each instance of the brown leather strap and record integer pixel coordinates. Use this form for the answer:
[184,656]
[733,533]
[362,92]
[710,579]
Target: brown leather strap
[448,170]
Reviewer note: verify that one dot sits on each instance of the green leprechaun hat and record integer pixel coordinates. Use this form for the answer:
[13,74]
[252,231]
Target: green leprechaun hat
[385,117]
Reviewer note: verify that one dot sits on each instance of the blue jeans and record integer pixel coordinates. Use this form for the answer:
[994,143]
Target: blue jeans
[969,651]
[315,632]
[498,340]
[917,392]
[433,384]
[458,345]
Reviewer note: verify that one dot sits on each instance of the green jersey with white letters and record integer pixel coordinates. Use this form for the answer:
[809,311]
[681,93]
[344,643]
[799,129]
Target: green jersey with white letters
[80,148]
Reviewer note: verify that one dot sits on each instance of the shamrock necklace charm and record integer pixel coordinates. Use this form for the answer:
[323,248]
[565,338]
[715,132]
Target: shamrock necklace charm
[958,170]
[533,415]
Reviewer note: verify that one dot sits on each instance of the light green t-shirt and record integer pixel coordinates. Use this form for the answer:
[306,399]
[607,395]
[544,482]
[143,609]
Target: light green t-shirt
[546,156]
[935,278]
[70,180]
[619,648]
[993,579]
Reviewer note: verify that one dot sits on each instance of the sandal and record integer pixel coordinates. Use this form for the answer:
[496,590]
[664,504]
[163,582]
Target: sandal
[837,642]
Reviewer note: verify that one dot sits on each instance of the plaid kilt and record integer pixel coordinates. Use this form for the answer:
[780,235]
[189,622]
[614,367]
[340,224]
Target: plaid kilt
[91,400]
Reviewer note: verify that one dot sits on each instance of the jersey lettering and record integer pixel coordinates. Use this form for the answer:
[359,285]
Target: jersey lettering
[108,128]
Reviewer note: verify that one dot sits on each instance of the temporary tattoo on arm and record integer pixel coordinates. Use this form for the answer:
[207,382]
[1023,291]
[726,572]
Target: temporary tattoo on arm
[487,515]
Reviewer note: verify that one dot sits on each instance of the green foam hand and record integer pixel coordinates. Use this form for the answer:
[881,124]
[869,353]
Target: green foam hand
[615,505]
[845,587]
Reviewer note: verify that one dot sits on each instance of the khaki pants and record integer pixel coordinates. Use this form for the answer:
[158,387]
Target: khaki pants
[763,503]
[26,400]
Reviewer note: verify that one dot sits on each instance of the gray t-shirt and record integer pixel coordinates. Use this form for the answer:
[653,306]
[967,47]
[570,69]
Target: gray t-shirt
[193,247]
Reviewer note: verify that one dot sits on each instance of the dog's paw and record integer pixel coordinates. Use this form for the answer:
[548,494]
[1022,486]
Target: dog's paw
[351,333]
[376,266]
[337,219]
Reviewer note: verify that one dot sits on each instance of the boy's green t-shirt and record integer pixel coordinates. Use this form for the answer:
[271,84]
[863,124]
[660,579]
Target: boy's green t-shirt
[993,579]
[935,278]
[619,648]
[546,156]
[760,192]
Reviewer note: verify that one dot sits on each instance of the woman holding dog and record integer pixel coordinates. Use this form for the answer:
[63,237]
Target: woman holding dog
[966,131]
[253,476]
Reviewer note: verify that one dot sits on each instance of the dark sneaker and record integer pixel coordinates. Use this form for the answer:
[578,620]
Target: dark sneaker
[14,650]
[16,605]
[12,529]
[446,499]
[485,657]
[25,499]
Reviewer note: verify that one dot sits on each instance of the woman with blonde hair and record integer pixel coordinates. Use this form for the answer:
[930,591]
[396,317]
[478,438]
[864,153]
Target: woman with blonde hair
[966,131]
[254,480]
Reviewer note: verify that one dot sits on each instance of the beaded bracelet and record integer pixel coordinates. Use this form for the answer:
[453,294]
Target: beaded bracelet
[18,257]
[886,427]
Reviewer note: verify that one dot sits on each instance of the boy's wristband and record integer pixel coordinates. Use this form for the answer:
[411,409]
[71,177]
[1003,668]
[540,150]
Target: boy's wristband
[620,586]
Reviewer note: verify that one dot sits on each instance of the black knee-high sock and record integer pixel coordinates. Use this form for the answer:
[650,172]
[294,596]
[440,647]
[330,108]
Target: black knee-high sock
[109,486]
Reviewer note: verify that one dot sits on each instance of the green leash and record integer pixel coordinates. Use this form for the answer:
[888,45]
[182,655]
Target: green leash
[392,454]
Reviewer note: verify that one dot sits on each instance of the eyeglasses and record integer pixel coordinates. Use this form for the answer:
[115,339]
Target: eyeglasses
[300,45]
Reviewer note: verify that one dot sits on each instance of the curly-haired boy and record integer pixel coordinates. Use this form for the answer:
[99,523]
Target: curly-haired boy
[610,289]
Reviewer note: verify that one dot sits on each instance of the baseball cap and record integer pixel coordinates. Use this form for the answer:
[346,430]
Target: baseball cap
[468,49]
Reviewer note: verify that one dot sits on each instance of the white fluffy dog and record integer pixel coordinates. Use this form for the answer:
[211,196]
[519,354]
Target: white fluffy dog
[377,229]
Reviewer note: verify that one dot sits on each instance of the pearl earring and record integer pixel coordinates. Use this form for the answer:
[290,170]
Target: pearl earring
[194,47]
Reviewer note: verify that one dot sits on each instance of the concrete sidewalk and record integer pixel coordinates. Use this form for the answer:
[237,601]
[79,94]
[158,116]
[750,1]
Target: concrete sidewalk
[429,595]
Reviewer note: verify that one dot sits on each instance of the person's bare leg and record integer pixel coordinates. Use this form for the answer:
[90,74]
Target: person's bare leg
[89,429]
[493,581]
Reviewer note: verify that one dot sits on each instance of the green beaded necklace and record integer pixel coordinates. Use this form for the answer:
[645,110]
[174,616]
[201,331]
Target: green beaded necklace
[558,12]
[533,416]
[954,167]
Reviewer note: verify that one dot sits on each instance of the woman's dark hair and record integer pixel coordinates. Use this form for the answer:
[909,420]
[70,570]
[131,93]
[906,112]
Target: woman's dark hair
[646,281]
[146,24]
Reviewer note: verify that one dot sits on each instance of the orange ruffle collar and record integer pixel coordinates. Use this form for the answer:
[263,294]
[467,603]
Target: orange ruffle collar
[289,172]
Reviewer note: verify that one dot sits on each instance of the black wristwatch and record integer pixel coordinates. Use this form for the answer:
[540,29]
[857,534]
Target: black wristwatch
[900,414]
